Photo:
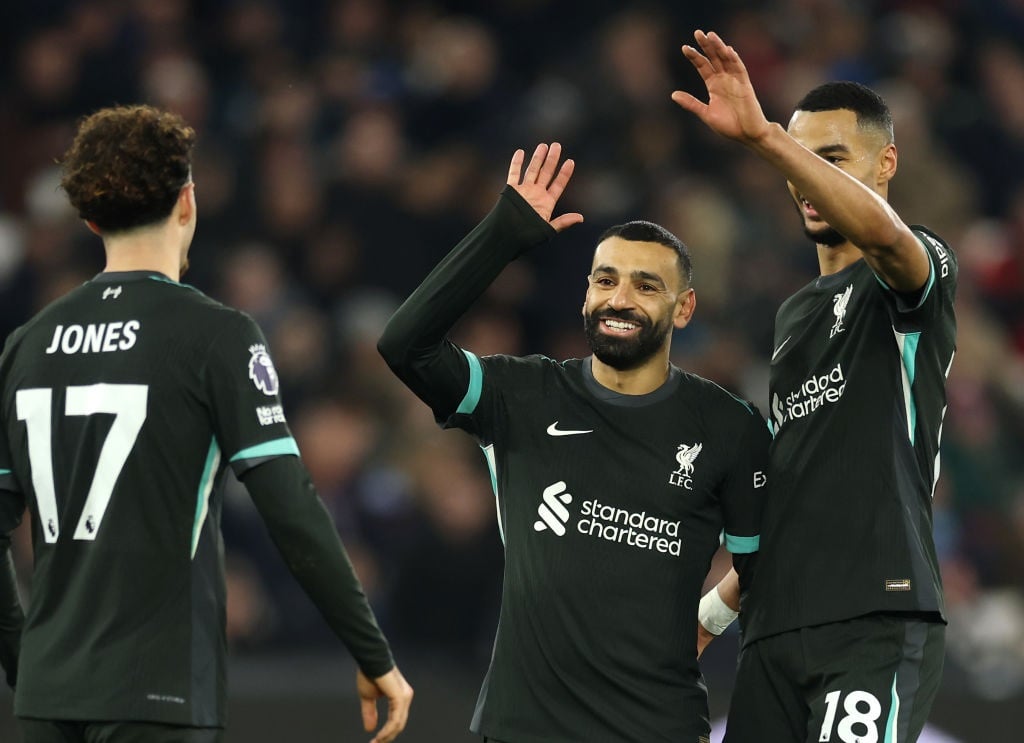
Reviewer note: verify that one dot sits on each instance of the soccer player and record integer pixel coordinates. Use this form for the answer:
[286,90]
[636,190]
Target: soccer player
[123,404]
[614,477]
[844,633]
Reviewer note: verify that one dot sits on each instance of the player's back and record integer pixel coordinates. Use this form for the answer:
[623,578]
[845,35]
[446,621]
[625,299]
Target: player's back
[108,413]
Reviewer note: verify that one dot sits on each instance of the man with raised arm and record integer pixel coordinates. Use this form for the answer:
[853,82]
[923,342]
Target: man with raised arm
[844,632]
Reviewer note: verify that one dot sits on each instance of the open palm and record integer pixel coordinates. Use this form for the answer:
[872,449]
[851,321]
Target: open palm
[732,109]
[543,183]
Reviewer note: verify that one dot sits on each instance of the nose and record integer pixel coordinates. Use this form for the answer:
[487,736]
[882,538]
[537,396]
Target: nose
[622,297]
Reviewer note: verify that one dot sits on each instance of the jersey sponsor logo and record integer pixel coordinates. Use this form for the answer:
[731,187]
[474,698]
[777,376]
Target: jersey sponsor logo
[262,371]
[101,337]
[554,430]
[815,392]
[685,456]
[942,255]
[636,529]
[553,515]
[112,291]
[269,414]
[839,304]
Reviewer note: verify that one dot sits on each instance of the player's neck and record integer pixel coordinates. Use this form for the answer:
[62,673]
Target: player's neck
[144,250]
[639,381]
[834,259]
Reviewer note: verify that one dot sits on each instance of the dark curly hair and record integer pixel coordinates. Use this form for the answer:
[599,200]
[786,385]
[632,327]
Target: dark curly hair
[127,165]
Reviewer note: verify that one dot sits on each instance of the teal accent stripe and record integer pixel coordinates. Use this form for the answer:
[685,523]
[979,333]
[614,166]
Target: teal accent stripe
[928,284]
[165,280]
[910,342]
[894,714]
[492,466]
[476,383]
[5,472]
[203,493]
[742,545]
[275,448]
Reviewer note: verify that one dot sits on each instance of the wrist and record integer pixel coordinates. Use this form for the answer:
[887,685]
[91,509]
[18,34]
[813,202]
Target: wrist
[714,614]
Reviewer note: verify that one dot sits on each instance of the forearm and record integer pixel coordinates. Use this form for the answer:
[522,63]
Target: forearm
[857,212]
[422,321]
[305,535]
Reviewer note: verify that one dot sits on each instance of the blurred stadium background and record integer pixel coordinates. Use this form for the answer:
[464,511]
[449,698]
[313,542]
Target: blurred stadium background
[346,145]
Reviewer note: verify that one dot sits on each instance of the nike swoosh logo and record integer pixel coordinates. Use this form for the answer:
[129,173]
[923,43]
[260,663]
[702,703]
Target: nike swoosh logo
[554,430]
[780,347]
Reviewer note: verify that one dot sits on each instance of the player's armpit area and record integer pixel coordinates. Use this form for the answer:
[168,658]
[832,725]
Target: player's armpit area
[304,533]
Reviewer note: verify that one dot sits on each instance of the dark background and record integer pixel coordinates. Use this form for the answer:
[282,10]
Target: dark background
[346,145]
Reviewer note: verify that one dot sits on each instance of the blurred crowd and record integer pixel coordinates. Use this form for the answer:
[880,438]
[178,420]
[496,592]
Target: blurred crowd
[347,145]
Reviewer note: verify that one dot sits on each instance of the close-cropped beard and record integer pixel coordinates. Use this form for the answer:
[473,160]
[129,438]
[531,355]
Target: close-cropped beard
[624,353]
[827,236]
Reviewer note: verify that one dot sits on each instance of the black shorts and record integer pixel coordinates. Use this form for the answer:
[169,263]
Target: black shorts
[64,731]
[867,680]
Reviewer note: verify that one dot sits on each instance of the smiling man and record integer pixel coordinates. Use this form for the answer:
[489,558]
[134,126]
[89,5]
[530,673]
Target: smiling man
[614,477]
[844,635]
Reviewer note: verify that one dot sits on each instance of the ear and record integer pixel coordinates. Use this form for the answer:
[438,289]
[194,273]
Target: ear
[93,228]
[186,205]
[686,303]
[887,163]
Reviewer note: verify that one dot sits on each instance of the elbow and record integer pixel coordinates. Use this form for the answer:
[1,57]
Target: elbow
[885,235]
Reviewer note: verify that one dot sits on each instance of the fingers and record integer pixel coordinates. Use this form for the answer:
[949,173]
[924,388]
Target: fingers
[720,55]
[533,169]
[699,62]
[548,167]
[368,707]
[542,169]
[561,179]
[515,168]
[398,716]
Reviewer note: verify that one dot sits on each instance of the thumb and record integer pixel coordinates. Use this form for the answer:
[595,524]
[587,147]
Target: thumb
[689,103]
[566,221]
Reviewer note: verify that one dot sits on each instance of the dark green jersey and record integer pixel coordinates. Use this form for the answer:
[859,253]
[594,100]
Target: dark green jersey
[123,403]
[857,400]
[610,507]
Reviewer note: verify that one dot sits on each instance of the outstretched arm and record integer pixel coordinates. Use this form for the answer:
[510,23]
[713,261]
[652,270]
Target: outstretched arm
[850,207]
[413,343]
[303,532]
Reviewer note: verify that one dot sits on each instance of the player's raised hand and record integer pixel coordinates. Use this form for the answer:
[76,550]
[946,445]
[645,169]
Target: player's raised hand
[732,109]
[542,184]
[393,687]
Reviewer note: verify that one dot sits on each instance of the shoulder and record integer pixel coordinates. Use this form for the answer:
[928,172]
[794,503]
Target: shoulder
[713,396]
[943,257]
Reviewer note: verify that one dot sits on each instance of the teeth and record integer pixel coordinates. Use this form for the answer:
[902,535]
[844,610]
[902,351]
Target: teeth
[619,324]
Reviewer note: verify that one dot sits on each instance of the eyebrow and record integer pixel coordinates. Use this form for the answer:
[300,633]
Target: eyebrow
[832,149]
[635,275]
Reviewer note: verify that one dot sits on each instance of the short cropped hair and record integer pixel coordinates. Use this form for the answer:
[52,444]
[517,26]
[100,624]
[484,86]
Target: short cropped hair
[870,108]
[641,231]
[127,165]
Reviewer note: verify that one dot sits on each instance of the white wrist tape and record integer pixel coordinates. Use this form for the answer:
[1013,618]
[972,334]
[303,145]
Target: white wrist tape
[714,614]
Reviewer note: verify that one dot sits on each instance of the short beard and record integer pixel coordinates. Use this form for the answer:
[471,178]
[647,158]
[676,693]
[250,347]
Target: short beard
[621,353]
[828,236]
